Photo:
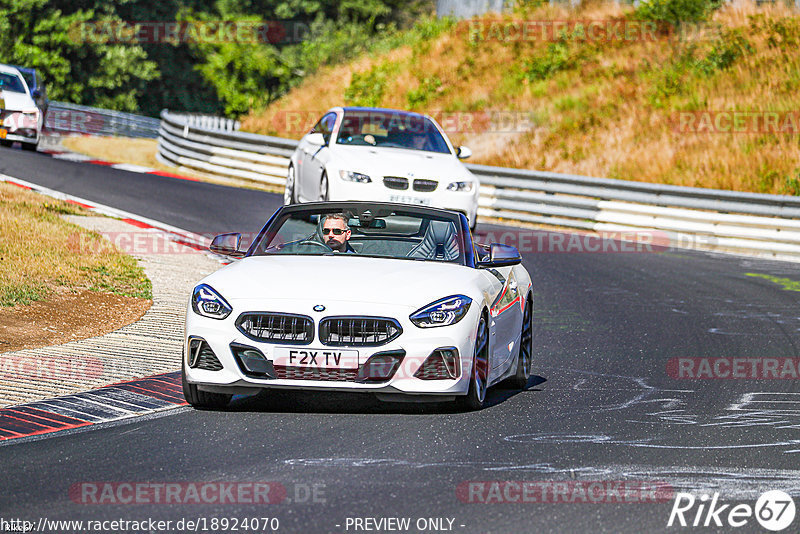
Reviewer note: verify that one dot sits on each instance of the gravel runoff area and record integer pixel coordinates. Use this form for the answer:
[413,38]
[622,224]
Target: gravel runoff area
[149,346]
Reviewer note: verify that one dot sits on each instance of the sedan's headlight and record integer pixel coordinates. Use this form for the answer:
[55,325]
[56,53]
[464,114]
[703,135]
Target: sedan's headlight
[465,187]
[209,303]
[350,176]
[443,312]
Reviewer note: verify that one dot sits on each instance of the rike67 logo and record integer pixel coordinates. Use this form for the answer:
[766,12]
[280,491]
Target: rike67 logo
[774,510]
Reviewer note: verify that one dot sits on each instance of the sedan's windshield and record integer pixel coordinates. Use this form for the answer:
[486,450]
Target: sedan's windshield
[11,82]
[365,230]
[388,129]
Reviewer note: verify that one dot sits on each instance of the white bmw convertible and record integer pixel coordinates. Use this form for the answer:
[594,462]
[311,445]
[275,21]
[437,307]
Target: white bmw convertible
[391,299]
[381,155]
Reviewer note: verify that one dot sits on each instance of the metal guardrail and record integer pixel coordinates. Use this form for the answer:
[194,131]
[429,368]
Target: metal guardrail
[62,117]
[707,219]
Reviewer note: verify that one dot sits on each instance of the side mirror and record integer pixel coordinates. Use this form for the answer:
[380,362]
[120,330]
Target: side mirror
[227,245]
[316,139]
[463,152]
[36,94]
[501,256]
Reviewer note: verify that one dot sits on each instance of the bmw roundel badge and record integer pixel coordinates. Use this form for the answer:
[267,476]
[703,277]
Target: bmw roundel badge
[319,308]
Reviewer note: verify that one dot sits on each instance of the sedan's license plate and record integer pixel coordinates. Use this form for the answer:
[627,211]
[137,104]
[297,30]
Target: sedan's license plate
[3,133]
[406,199]
[315,358]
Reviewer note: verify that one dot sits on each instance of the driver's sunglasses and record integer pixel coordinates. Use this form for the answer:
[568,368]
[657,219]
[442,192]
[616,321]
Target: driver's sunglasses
[336,231]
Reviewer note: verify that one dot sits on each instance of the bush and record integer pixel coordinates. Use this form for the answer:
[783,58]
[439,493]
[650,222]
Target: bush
[675,12]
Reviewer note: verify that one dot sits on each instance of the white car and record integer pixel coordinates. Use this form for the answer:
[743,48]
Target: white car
[20,119]
[381,155]
[410,308]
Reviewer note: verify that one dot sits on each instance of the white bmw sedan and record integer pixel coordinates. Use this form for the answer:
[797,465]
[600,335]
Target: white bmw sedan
[381,155]
[390,299]
[20,119]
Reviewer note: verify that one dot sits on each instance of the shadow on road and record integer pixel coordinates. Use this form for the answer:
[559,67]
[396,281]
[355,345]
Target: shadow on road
[331,402]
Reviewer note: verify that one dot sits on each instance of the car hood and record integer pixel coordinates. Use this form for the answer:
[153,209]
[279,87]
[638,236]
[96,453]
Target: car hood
[400,162]
[343,278]
[16,101]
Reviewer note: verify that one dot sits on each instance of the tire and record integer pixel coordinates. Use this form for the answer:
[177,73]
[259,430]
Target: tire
[290,193]
[30,147]
[203,399]
[479,375]
[525,358]
[6,143]
[323,187]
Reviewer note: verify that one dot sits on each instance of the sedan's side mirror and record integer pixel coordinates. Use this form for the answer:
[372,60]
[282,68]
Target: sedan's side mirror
[227,245]
[316,139]
[463,152]
[36,94]
[501,256]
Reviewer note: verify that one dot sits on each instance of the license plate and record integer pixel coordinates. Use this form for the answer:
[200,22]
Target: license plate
[3,133]
[405,199]
[315,358]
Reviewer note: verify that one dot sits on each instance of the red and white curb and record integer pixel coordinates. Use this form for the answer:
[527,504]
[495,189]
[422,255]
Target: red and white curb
[83,158]
[123,400]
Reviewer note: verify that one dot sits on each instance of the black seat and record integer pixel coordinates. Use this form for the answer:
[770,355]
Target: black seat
[439,243]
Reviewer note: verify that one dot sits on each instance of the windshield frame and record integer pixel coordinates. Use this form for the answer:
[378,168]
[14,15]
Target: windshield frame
[276,221]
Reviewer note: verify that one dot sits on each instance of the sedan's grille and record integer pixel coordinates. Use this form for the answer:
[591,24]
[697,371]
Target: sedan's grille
[395,182]
[358,331]
[425,186]
[277,328]
[305,373]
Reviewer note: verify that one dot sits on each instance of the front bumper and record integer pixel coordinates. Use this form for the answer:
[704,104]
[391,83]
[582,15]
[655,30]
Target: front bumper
[416,343]
[24,128]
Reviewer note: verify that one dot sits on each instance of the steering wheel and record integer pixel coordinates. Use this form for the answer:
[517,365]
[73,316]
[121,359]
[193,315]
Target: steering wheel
[317,243]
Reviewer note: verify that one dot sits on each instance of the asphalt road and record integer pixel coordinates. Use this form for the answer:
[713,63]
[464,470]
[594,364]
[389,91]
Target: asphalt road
[603,406]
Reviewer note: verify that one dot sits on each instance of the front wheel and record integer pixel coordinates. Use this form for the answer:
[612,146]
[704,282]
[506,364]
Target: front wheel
[29,146]
[203,399]
[479,380]
[323,187]
[525,358]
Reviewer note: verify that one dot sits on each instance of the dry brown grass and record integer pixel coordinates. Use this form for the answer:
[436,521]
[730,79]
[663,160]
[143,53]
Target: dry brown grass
[40,253]
[604,115]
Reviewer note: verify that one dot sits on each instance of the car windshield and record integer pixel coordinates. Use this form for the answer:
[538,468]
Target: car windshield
[388,129]
[11,82]
[372,230]
[29,78]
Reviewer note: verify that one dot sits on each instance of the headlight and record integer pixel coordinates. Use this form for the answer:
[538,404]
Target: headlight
[350,176]
[465,187]
[209,303]
[443,312]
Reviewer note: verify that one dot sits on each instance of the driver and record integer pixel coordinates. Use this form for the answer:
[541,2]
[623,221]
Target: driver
[336,233]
